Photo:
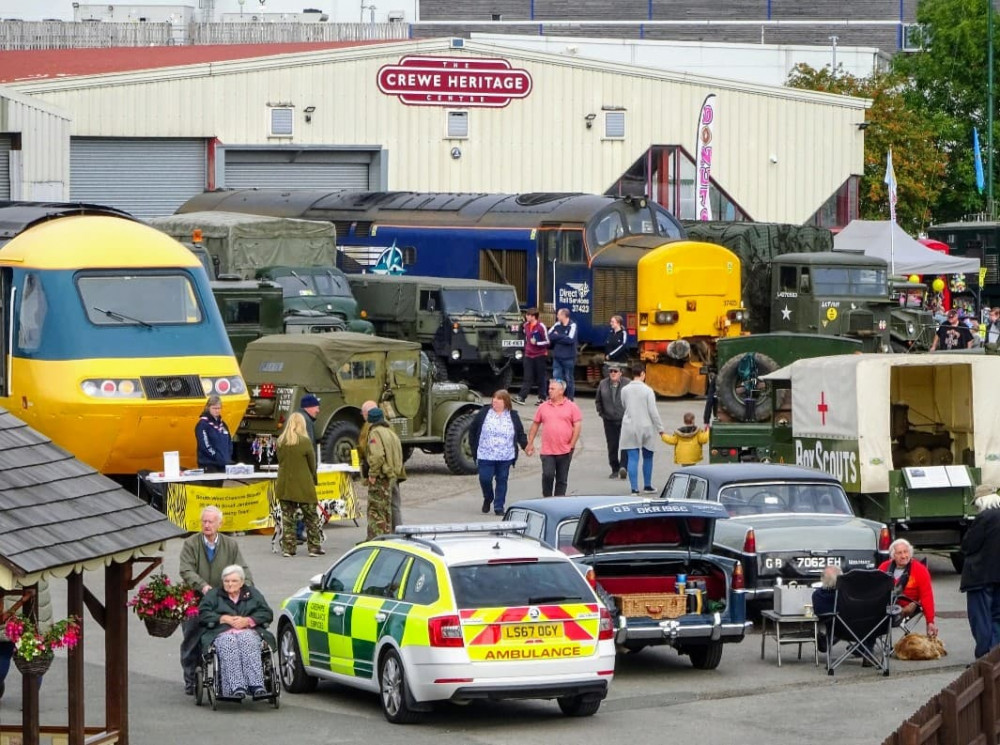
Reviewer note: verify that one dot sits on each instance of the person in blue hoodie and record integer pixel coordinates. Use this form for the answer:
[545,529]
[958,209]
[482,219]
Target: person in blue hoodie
[563,338]
[215,444]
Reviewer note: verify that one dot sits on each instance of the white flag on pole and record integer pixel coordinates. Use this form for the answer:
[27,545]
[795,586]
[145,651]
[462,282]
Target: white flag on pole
[890,182]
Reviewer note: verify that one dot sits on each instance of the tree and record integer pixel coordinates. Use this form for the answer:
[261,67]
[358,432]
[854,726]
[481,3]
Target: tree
[918,162]
[946,84]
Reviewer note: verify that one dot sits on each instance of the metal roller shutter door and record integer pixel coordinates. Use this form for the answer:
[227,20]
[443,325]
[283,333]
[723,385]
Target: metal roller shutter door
[297,169]
[4,167]
[148,178]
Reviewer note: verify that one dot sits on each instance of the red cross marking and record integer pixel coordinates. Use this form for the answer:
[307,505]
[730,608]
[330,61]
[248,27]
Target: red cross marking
[822,407]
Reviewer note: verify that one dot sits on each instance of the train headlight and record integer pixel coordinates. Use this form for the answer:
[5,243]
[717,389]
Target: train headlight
[112,388]
[667,317]
[223,386]
[737,316]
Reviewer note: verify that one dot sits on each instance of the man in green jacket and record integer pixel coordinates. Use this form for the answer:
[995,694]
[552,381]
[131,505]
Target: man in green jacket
[384,455]
[203,557]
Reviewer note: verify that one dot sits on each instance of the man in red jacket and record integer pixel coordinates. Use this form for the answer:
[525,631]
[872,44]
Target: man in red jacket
[913,583]
[536,350]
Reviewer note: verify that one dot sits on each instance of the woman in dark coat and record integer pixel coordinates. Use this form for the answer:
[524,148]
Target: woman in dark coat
[215,444]
[235,618]
[495,435]
[296,486]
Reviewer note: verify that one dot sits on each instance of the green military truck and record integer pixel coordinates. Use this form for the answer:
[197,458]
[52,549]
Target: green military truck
[344,370]
[909,436]
[911,325]
[470,328]
[297,255]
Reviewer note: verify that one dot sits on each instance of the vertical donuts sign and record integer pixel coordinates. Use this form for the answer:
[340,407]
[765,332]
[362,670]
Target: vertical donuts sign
[703,157]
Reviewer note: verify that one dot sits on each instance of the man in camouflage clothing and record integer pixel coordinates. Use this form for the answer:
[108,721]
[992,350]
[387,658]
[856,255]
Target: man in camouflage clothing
[397,506]
[384,455]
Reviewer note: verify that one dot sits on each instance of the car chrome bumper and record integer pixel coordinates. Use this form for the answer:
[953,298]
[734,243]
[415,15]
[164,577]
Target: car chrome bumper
[668,631]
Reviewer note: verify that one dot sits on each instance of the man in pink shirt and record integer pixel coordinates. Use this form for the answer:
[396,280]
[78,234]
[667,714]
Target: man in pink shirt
[561,421]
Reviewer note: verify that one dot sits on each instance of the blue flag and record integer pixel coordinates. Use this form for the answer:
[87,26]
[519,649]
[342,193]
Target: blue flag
[978,155]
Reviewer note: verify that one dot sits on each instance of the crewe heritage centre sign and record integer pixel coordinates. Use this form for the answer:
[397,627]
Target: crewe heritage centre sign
[454,81]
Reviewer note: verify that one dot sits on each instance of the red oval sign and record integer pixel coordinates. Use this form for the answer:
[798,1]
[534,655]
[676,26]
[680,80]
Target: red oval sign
[454,81]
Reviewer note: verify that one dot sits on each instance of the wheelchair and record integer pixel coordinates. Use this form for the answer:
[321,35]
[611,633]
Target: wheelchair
[208,681]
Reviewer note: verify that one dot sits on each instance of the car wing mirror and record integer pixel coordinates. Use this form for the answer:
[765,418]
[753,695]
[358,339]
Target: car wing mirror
[316,583]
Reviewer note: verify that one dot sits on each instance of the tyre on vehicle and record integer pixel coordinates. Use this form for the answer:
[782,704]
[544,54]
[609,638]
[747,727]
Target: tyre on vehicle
[339,440]
[293,675]
[393,692]
[733,390]
[706,656]
[457,450]
[577,706]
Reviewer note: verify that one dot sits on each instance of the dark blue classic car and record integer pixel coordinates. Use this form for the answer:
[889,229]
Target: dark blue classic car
[636,552]
[785,522]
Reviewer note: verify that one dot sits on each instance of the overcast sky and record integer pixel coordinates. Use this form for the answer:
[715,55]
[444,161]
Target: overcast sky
[35,10]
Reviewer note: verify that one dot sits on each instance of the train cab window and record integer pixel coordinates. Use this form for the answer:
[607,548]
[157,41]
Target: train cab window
[430,300]
[32,315]
[666,224]
[610,228]
[572,247]
[139,299]
[788,279]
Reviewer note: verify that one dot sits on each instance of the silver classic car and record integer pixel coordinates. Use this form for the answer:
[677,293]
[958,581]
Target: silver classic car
[785,522]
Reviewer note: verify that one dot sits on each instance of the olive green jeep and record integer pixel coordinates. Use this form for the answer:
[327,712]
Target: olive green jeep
[344,370]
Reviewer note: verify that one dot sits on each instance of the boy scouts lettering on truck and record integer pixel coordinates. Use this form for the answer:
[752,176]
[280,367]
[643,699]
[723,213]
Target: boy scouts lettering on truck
[825,456]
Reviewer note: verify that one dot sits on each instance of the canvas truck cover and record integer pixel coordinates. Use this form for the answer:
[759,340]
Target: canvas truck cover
[757,244]
[245,243]
[848,398]
[332,349]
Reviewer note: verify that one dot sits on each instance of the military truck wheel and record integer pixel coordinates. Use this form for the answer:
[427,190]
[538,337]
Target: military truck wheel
[338,442]
[457,451]
[733,391]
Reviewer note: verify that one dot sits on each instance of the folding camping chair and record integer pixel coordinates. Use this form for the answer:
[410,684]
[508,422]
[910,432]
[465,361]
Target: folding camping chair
[862,617]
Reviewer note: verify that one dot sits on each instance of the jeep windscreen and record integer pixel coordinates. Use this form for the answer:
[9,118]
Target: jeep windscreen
[481,302]
[863,281]
[305,284]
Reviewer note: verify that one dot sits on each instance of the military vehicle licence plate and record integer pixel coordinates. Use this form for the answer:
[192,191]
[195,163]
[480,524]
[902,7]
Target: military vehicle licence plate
[512,343]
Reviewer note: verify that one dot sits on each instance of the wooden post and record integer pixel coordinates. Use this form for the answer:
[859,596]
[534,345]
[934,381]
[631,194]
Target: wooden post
[75,708]
[116,579]
[29,685]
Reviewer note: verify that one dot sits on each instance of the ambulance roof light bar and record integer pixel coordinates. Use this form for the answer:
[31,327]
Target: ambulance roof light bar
[507,526]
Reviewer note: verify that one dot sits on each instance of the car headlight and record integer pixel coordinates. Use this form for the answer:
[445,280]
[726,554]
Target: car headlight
[911,329]
[456,354]
[518,354]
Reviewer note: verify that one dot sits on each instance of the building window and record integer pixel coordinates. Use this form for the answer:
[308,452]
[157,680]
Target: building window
[280,123]
[496,16]
[614,125]
[913,37]
[458,125]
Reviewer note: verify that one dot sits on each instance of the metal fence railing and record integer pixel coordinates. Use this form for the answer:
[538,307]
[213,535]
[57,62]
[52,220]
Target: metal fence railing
[21,35]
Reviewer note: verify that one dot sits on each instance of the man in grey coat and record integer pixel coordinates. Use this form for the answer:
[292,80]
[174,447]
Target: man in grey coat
[641,428]
[203,557]
[610,409]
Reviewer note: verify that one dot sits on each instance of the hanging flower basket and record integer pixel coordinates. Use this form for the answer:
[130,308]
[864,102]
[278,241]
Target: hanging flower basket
[38,666]
[161,627]
[162,605]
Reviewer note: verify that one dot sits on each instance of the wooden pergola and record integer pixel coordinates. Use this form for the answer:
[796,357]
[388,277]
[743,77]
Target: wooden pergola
[59,519]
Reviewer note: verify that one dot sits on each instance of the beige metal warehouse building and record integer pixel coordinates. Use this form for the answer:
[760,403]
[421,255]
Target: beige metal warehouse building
[34,149]
[451,115]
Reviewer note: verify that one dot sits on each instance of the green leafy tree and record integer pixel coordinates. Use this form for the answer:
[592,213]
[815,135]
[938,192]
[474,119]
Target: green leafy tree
[947,85]
[918,161]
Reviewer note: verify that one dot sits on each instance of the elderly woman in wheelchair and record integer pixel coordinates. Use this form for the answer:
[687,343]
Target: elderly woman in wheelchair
[236,642]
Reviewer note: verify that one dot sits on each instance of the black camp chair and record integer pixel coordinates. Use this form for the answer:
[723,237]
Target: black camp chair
[862,617]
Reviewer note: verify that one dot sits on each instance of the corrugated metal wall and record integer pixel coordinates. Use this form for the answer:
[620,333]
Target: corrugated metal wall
[147,177]
[297,169]
[4,167]
[540,143]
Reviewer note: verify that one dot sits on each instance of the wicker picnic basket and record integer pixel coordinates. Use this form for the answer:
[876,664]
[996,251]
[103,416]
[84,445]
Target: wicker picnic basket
[652,604]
